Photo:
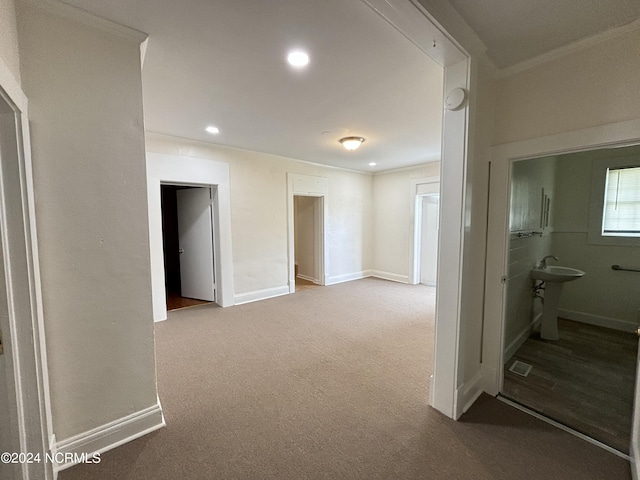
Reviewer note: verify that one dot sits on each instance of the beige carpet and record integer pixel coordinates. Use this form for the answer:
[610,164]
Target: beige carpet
[329,383]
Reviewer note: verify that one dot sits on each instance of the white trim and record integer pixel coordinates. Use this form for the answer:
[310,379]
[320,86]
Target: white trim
[12,88]
[421,27]
[597,202]
[394,277]
[599,320]
[308,279]
[415,232]
[348,277]
[310,186]
[177,169]
[31,440]
[440,16]
[468,393]
[407,168]
[65,10]
[522,337]
[257,295]
[111,435]
[567,49]
[563,427]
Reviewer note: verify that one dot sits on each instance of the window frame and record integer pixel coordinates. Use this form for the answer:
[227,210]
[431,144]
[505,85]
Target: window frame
[596,210]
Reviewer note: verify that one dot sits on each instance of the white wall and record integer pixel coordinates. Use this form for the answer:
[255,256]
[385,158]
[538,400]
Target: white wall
[85,93]
[528,178]
[259,213]
[392,220]
[602,292]
[9,38]
[593,86]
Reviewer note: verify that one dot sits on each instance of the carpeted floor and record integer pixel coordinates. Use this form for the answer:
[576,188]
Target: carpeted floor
[329,383]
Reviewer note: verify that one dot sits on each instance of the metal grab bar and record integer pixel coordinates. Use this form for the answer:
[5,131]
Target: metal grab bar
[525,234]
[618,267]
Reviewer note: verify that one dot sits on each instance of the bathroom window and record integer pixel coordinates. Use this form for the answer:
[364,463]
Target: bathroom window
[614,217]
[621,212]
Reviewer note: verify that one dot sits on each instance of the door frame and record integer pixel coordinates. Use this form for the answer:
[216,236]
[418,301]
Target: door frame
[196,172]
[307,186]
[29,348]
[415,236]
[319,240]
[618,134]
[453,389]
[502,157]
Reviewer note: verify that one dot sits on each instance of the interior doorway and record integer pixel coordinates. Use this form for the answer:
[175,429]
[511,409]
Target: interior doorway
[308,240]
[426,207]
[25,420]
[187,236]
[9,429]
[428,213]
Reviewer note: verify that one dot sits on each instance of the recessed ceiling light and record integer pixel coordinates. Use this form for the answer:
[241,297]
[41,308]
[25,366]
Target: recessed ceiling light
[298,59]
[213,130]
[372,164]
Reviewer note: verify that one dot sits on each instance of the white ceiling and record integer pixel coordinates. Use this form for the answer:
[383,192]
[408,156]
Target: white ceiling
[517,30]
[222,63]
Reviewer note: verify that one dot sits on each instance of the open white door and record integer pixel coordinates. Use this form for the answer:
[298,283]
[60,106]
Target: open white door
[196,243]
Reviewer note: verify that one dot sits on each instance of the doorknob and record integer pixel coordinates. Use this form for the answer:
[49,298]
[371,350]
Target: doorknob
[638,331]
[182,251]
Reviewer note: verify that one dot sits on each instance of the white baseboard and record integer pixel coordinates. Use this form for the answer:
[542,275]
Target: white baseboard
[607,322]
[110,435]
[308,279]
[347,277]
[467,394]
[525,333]
[394,277]
[256,295]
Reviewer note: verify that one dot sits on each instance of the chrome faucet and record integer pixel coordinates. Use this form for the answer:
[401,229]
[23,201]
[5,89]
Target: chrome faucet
[543,262]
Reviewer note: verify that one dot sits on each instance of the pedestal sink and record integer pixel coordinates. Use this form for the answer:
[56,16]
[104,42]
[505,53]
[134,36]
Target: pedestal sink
[554,277]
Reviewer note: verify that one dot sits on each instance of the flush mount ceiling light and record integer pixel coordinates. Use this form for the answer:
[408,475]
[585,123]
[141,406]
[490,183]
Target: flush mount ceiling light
[351,143]
[213,130]
[372,164]
[298,59]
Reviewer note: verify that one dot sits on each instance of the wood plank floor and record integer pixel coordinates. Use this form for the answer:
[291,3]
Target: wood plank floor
[585,380]
[175,301]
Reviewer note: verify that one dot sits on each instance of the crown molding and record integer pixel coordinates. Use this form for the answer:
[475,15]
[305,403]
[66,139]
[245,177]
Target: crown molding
[177,139]
[407,168]
[568,49]
[65,10]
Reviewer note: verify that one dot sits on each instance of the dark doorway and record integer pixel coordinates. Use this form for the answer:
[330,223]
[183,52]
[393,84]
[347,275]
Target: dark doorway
[171,246]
